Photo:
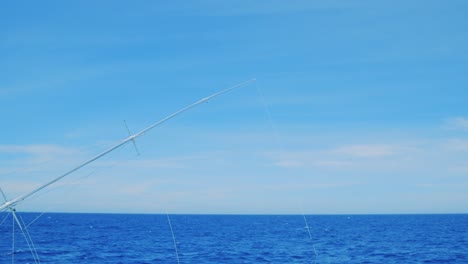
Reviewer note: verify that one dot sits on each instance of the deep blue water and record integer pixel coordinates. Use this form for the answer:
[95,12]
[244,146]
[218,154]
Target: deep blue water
[120,238]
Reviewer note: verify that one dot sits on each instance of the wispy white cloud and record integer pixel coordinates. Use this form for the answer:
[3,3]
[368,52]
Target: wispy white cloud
[456,145]
[304,159]
[172,162]
[299,162]
[332,163]
[139,188]
[46,149]
[289,164]
[297,159]
[426,185]
[309,186]
[459,169]
[458,123]
[37,160]
[15,187]
[340,157]
[367,150]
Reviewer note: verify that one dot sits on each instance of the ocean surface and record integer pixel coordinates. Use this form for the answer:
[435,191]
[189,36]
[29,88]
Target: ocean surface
[130,238]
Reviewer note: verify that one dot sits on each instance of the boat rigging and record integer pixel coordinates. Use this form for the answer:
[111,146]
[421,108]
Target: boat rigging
[9,205]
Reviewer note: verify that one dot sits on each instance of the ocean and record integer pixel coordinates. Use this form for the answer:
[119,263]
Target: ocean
[133,238]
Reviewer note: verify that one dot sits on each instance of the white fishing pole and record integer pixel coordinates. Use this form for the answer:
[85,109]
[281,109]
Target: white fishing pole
[11,203]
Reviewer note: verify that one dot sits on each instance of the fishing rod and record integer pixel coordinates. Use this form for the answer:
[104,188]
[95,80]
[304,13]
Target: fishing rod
[9,204]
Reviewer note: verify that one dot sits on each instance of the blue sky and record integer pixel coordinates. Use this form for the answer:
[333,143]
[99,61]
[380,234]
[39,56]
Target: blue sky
[359,106]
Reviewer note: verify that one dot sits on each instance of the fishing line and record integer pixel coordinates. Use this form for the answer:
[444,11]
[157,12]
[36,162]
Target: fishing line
[173,237]
[266,107]
[34,250]
[140,153]
[24,235]
[277,139]
[310,235]
[13,241]
[4,219]
[35,219]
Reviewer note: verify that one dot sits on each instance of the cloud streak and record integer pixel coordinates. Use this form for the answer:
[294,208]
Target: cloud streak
[456,145]
[367,150]
[37,150]
[341,157]
[458,123]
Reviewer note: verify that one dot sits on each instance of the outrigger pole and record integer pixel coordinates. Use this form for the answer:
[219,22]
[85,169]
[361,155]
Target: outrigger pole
[9,204]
